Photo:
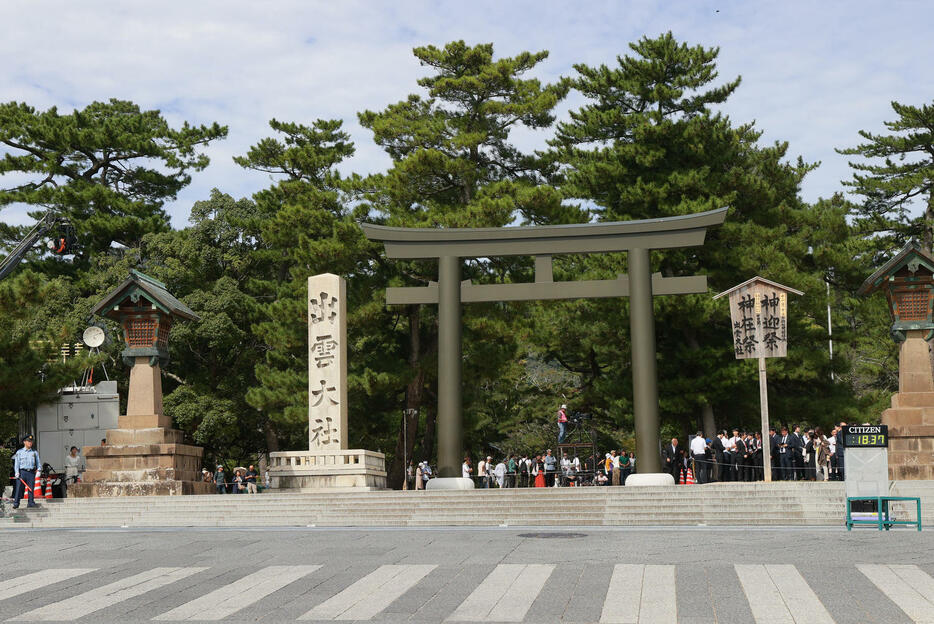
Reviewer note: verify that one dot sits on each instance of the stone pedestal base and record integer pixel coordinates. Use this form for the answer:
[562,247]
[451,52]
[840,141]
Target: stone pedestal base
[139,488]
[649,478]
[911,436]
[314,470]
[450,483]
[146,461]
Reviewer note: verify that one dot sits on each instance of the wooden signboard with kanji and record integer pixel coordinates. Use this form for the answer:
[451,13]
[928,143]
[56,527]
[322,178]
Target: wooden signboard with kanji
[759,318]
[759,321]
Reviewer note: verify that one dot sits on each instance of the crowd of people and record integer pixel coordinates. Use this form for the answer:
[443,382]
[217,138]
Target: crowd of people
[796,455]
[543,470]
[243,480]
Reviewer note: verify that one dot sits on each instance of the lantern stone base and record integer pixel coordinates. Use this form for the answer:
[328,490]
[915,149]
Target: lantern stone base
[142,462]
[328,470]
[911,436]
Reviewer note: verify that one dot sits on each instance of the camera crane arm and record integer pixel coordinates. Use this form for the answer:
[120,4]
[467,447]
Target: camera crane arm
[60,245]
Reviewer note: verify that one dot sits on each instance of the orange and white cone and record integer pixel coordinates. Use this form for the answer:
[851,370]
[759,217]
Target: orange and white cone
[48,488]
[690,479]
[681,478]
[37,488]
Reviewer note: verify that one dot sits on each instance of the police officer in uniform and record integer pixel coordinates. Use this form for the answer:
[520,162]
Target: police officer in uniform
[25,464]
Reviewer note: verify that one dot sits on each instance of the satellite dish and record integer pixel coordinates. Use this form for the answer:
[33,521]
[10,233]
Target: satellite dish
[93,336]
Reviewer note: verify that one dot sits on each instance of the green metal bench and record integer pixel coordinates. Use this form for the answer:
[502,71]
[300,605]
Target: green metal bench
[883,517]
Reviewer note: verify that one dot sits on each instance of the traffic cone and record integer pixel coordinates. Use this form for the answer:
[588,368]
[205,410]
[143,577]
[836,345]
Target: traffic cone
[690,479]
[37,488]
[681,478]
[48,488]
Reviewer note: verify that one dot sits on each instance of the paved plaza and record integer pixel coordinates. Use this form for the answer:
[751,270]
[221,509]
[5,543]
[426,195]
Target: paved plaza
[482,575]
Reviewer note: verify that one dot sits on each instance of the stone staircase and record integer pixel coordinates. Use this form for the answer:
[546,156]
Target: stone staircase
[719,504]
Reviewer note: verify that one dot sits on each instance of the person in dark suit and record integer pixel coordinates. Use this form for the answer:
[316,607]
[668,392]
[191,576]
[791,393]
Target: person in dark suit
[841,448]
[742,457]
[672,456]
[799,443]
[757,457]
[717,445]
[786,455]
[773,447]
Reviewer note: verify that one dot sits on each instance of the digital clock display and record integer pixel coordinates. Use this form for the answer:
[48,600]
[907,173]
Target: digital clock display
[867,436]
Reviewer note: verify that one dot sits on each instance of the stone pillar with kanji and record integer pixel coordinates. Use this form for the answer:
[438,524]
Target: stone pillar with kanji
[327,363]
[328,463]
[907,281]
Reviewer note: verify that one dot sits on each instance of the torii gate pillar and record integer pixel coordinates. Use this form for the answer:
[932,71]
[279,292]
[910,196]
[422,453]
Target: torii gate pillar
[644,362]
[450,406]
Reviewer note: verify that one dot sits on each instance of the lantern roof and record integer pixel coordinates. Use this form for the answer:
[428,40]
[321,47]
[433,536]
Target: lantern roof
[760,280]
[141,285]
[911,256]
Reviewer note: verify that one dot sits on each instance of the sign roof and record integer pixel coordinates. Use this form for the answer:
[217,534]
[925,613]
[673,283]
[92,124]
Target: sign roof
[760,280]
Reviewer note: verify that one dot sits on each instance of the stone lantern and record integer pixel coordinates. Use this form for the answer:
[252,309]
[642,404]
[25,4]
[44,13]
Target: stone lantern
[145,455]
[907,280]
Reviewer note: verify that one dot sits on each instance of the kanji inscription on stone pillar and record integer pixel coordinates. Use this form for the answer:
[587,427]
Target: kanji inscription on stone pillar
[327,362]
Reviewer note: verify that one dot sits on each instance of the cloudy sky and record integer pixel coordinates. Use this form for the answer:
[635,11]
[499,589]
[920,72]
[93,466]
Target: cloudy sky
[814,72]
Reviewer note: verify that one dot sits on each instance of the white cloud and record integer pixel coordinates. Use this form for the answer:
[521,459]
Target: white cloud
[813,73]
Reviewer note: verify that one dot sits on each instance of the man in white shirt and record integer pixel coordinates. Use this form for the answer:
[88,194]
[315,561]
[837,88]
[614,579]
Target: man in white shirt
[699,455]
[481,474]
[465,468]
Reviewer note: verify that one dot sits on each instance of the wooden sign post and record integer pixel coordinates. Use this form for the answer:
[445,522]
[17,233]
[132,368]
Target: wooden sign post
[759,316]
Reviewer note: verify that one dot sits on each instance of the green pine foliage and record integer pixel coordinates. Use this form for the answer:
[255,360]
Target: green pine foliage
[30,372]
[650,144]
[109,168]
[904,179]
[454,165]
[306,225]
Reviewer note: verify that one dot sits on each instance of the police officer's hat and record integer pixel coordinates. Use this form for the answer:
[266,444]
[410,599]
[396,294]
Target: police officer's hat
[29,438]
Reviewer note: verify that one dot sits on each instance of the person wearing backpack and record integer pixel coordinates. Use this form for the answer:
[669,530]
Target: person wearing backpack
[524,472]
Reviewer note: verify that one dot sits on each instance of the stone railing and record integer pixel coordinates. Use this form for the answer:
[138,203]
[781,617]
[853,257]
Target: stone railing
[293,462]
[313,470]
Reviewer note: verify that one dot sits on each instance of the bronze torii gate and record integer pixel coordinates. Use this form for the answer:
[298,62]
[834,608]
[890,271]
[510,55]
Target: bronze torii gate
[637,238]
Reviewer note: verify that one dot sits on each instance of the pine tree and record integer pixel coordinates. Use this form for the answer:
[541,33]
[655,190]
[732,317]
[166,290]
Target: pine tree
[906,174]
[306,226]
[109,168]
[647,145]
[210,265]
[30,372]
[454,165]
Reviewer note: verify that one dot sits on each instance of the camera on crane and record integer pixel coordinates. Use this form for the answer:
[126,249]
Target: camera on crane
[579,417]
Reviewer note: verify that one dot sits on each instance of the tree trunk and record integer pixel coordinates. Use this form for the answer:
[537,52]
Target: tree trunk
[272,440]
[414,393]
[709,422]
[710,426]
[428,441]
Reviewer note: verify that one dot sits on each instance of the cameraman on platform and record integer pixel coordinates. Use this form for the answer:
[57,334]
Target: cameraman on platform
[562,423]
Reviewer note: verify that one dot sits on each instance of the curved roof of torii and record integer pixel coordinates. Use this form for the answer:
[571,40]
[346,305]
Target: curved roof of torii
[680,231]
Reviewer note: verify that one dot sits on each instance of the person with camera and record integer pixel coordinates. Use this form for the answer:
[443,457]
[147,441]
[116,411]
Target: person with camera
[562,423]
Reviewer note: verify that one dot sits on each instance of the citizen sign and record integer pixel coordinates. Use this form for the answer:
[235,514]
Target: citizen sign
[869,429]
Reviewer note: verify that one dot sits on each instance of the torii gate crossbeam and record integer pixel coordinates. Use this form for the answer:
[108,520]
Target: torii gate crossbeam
[637,238]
